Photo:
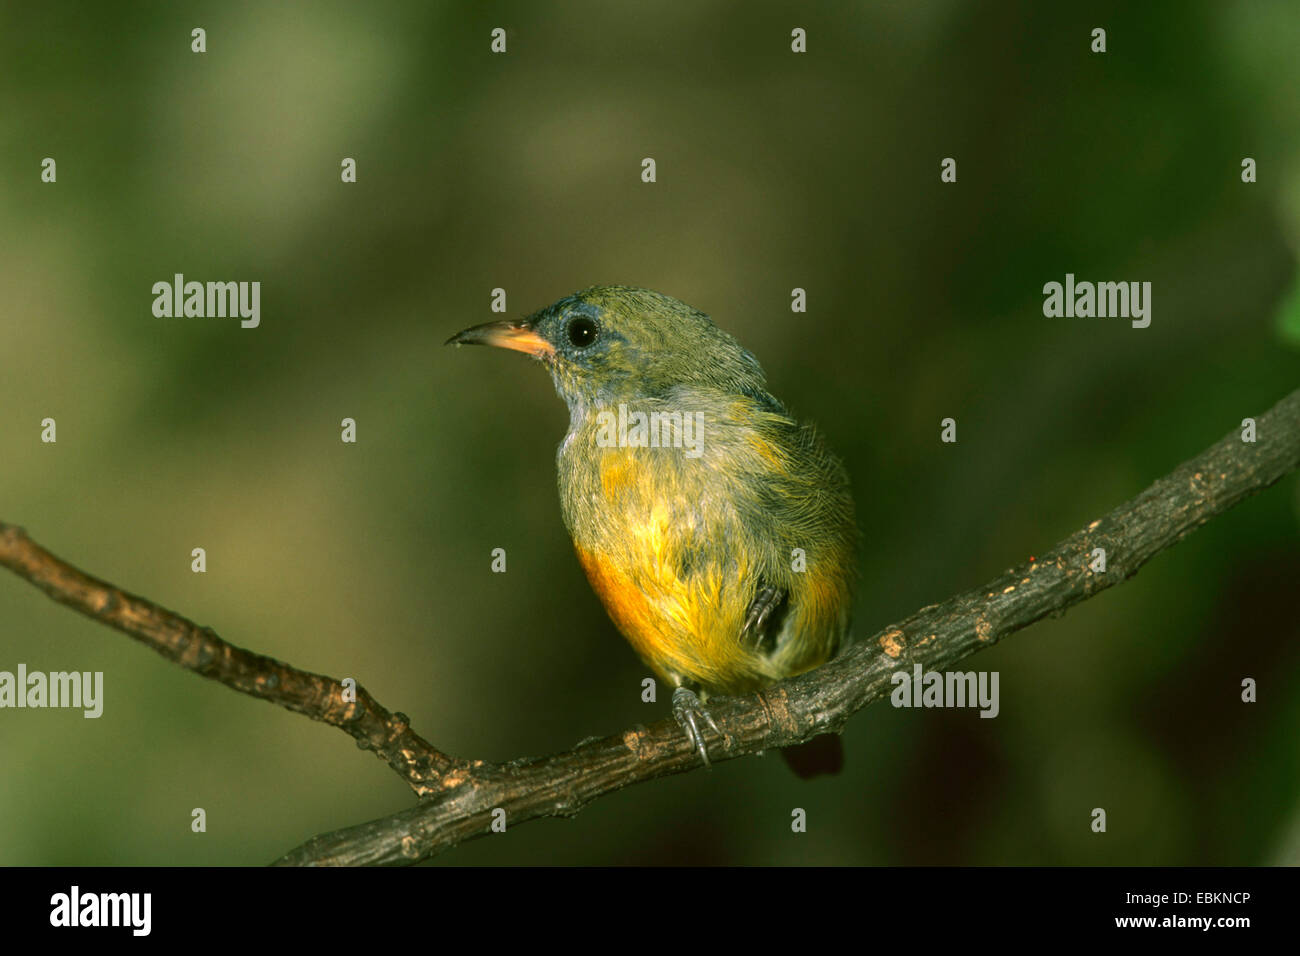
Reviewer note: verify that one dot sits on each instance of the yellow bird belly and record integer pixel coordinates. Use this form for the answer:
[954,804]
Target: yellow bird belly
[677,581]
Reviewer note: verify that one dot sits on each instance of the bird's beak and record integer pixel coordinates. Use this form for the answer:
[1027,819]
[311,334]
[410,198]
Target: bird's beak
[517,334]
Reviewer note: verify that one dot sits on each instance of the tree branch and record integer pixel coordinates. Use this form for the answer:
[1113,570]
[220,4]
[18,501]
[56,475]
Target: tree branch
[459,795]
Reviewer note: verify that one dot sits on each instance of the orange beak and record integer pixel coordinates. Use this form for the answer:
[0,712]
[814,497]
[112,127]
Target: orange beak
[514,334]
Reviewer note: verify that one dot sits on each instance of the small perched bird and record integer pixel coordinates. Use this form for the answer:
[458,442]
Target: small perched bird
[718,531]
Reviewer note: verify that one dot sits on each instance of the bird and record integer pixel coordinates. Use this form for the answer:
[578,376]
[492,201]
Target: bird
[718,531]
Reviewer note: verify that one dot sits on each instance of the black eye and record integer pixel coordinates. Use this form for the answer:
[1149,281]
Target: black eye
[582,331]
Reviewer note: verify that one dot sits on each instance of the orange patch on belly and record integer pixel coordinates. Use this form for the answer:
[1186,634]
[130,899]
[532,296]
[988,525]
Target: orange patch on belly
[626,605]
[623,598]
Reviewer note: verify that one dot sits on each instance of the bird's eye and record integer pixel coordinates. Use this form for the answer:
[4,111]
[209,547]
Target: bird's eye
[582,331]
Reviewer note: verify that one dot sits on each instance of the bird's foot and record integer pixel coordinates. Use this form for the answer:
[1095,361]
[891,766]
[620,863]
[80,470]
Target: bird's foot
[687,710]
[766,609]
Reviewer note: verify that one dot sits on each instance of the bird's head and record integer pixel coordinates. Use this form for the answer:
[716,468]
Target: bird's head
[615,343]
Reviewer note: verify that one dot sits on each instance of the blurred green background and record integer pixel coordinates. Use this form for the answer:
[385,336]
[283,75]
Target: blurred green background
[522,171]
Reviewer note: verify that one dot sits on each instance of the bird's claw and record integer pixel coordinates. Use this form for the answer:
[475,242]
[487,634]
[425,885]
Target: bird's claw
[753,633]
[686,709]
